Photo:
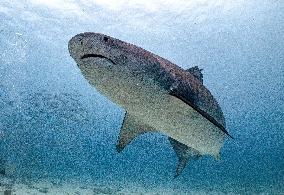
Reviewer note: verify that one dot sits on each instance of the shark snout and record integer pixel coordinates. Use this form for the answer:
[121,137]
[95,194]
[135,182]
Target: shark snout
[89,45]
[74,47]
[80,45]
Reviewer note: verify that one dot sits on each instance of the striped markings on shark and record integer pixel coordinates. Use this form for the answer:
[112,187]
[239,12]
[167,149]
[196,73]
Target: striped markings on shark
[158,96]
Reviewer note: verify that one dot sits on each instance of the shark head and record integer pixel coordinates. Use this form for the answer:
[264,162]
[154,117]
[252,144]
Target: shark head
[95,47]
[103,60]
[108,63]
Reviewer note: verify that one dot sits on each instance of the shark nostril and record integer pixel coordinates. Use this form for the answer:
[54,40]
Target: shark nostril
[105,39]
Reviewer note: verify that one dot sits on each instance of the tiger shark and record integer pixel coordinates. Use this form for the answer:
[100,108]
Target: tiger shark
[157,95]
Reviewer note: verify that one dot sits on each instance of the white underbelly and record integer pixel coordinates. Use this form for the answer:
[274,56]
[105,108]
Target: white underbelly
[165,113]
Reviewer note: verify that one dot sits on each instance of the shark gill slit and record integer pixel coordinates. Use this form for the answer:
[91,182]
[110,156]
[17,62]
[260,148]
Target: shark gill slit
[207,116]
[96,56]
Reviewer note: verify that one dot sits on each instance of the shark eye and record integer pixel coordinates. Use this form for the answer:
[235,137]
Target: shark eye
[105,39]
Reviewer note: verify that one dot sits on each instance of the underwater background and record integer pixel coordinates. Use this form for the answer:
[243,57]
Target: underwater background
[55,127]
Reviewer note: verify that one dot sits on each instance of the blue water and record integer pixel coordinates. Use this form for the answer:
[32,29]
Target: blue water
[53,124]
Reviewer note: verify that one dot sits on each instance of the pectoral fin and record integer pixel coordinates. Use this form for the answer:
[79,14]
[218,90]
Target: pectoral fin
[184,154]
[131,128]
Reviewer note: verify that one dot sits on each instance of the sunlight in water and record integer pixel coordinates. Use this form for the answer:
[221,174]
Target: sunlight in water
[146,5]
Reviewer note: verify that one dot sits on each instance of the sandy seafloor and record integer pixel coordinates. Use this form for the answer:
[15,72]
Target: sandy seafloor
[75,188]
[9,186]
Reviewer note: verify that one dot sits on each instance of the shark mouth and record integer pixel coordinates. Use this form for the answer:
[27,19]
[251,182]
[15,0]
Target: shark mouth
[96,56]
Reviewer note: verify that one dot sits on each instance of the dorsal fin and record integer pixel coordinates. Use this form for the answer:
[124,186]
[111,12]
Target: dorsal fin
[184,154]
[130,129]
[196,72]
